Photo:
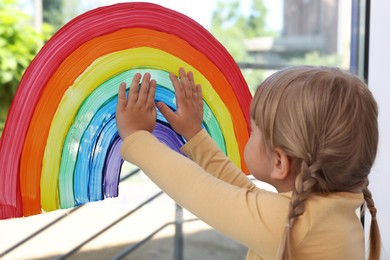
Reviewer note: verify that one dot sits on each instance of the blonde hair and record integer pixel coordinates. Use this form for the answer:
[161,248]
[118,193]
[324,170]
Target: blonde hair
[325,120]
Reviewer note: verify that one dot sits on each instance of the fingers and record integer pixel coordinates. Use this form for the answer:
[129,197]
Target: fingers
[185,88]
[133,92]
[185,82]
[138,111]
[122,100]
[188,83]
[144,93]
[179,92]
[199,96]
[166,111]
[144,89]
[194,89]
[188,117]
[151,95]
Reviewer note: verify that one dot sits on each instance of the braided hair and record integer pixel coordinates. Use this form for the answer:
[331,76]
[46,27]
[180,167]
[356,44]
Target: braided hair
[319,115]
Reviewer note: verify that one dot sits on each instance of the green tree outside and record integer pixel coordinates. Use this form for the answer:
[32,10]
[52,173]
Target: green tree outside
[231,27]
[316,59]
[19,43]
[52,13]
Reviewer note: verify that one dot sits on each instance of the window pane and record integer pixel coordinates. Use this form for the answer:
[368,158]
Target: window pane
[312,32]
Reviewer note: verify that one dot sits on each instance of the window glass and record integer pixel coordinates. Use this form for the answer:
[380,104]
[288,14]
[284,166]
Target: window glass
[261,35]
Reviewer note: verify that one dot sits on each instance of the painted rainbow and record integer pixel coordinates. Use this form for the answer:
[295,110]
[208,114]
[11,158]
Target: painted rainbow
[60,146]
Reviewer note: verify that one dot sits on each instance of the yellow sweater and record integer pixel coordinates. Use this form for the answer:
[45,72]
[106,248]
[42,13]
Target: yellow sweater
[214,189]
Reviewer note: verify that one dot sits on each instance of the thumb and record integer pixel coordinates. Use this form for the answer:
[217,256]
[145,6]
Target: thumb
[165,111]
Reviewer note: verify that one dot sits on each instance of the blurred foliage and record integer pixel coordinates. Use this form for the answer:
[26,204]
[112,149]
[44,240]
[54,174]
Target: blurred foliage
[52,13]
[1,127]
[232,27]
[316,59]
[19,43]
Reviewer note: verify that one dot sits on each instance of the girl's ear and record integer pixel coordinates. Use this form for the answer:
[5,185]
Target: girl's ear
[281,165]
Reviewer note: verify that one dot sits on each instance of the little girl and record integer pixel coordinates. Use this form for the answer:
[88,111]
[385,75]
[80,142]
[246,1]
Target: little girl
[314,138]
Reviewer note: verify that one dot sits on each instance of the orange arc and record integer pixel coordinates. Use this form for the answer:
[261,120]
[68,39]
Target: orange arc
[76,63]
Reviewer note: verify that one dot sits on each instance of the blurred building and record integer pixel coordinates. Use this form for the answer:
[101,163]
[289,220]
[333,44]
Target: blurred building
[321,26]
[314,20]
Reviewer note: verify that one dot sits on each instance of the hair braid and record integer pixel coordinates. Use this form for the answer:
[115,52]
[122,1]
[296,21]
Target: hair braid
[305,183]
[317,116]
[374,239]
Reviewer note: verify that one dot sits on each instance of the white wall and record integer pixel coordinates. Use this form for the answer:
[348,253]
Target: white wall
[379,83]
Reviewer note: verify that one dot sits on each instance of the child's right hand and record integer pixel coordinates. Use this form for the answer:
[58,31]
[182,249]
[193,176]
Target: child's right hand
[188,117]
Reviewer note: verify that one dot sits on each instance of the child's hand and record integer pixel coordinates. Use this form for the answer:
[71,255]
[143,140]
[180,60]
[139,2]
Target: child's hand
[187,119]
[138,111]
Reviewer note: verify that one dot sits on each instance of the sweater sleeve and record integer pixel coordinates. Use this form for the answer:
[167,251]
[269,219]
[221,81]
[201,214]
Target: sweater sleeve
[203,150]
[252,216]
[228,208]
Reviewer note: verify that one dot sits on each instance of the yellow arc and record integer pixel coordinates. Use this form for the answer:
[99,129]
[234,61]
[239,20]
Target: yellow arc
[99,71]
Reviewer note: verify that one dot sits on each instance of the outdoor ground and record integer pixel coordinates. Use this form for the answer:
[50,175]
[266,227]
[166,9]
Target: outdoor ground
[200,241]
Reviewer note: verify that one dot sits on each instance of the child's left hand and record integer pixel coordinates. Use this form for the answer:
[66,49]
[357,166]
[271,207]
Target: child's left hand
[138,110]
